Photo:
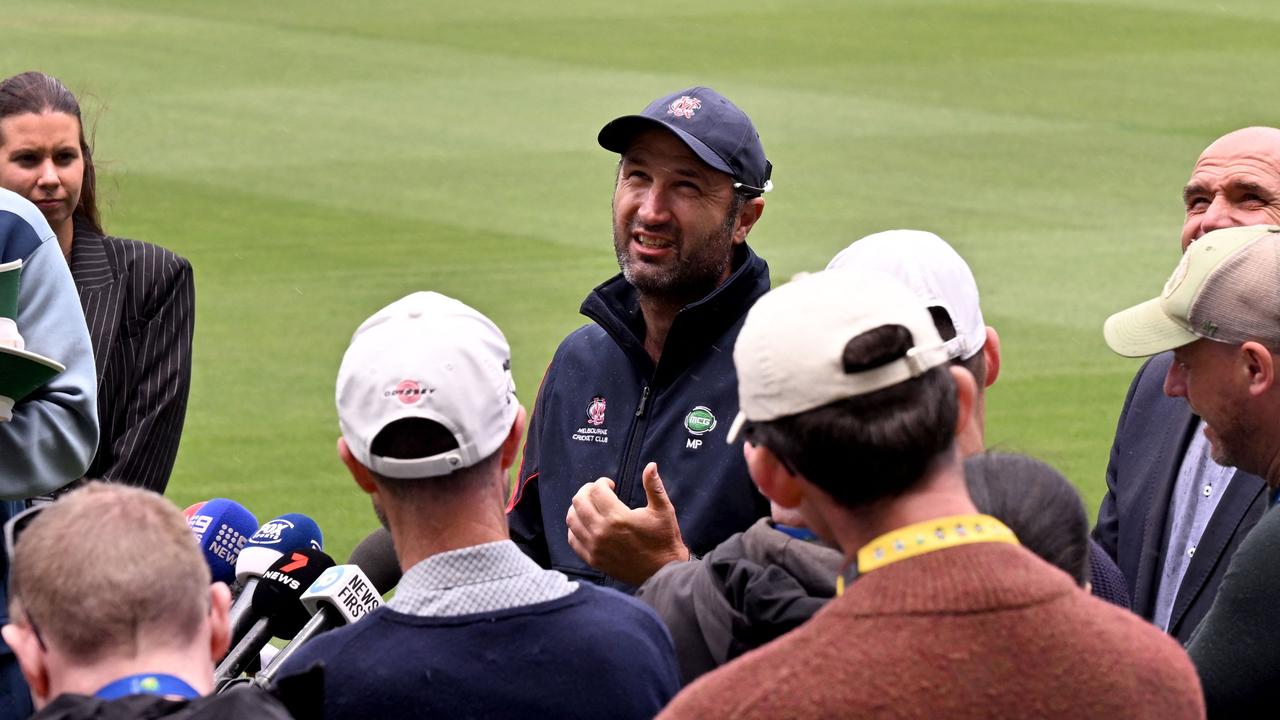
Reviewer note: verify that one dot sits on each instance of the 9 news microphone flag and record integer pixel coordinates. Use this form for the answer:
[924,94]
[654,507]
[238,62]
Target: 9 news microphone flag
[221,527]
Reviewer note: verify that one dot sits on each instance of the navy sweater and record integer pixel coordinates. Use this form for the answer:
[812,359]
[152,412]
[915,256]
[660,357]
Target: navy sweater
[592,653]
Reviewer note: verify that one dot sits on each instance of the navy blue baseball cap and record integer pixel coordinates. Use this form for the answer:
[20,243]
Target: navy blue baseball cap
[716,130]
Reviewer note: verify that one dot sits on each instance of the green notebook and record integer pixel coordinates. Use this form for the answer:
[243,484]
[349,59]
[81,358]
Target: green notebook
[20,371]
[10,277]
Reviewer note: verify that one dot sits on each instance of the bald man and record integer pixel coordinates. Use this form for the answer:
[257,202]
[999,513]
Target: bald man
[1172,516]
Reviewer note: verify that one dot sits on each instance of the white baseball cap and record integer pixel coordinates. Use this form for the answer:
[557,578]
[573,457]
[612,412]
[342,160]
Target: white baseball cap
[933,270]
[432,357]
[790,353]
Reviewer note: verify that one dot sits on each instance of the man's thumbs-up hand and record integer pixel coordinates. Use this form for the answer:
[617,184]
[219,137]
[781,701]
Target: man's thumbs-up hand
[627,544]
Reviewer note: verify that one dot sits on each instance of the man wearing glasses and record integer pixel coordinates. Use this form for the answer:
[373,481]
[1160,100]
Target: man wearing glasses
[113,613]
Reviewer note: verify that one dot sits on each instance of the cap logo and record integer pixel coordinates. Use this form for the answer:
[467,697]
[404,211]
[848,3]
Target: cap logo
[595,411]
[1179,274]
[407,392]
[270,533]
[700,420]
[684,107]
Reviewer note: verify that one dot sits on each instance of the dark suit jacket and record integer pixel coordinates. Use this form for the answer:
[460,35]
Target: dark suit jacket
[1151,439]
[139,304]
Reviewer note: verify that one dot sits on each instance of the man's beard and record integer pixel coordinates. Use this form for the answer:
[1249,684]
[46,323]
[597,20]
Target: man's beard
[1226,448]
[696,270]
[380,513]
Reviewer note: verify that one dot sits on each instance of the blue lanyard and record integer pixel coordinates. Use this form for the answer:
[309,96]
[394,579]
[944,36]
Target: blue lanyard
[796,532]
[147,684]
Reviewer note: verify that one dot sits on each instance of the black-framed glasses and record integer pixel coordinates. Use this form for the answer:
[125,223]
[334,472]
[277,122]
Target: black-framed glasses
[13,528]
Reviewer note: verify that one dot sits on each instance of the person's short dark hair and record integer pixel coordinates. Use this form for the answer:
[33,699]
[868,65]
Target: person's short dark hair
[1037,503]
[412,438]
[873,446]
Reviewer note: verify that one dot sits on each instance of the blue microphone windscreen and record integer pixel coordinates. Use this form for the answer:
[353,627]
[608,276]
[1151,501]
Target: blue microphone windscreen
[222,527]
[291,531]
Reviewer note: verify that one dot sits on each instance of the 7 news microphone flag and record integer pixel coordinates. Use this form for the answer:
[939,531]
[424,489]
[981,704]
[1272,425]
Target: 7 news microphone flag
[280,535]
[276,609]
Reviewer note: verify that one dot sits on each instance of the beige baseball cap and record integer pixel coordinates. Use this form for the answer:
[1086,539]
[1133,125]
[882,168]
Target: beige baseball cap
[790,353]
[1225,288]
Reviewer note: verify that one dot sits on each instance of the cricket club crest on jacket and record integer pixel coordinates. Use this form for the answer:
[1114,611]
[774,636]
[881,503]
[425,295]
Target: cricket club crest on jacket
[595,411]
[592,431]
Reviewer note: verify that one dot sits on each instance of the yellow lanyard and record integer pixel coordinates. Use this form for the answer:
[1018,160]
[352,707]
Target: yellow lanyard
[926,537]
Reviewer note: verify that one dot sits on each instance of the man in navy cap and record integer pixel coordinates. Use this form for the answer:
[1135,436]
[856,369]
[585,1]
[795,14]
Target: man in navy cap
[650,383]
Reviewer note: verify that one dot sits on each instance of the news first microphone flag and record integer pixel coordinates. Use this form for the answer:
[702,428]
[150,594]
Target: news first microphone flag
[20,371]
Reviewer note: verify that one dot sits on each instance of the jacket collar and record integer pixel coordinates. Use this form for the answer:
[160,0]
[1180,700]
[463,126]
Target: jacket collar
[615,306]
[89,263]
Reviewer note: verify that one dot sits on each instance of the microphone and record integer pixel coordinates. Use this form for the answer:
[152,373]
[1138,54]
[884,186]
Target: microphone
[221,527]
[192,509]
[340,596]
[377,557]
[275,608]
[289,532]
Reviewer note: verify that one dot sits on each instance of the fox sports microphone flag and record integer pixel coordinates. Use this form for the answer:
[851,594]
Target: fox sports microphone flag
[291,531]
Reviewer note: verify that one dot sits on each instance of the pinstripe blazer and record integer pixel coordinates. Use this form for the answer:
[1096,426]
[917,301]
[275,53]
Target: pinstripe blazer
[139,304]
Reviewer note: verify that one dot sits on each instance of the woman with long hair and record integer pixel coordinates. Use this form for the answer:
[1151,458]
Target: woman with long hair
[138,298]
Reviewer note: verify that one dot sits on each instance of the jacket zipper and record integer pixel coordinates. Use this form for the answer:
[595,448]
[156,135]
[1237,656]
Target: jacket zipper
[631,452]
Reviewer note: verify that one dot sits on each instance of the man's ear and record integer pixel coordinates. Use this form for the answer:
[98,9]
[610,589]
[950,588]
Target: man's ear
[25,645]
[219,620]
[966,397]
[359,472]
[991,356]
[772,477]
[1259,367]
[747,218]
[511,445]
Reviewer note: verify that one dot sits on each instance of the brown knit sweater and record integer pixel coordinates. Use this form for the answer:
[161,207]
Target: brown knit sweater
[977,631]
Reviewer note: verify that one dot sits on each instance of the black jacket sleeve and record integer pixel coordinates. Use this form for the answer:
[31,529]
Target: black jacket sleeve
[524,509]
[1236,648]
[1107,531]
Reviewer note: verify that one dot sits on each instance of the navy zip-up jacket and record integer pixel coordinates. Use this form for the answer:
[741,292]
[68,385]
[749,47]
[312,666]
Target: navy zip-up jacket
[605,410]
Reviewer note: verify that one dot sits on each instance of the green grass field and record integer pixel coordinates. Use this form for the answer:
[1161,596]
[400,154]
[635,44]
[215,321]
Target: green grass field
[316,160]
